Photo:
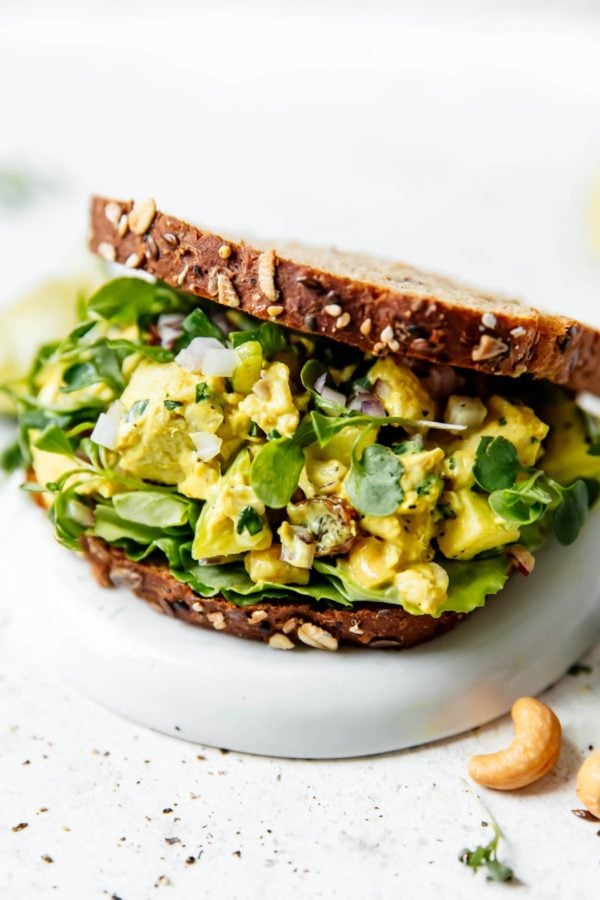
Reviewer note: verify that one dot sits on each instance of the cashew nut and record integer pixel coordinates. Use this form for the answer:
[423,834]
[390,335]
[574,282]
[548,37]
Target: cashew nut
[588,783]
[533,752]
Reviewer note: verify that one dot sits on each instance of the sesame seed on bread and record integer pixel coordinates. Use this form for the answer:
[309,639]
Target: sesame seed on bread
[378,306]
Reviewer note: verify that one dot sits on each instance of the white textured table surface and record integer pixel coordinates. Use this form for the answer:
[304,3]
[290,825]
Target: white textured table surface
[125,812]
[474,150]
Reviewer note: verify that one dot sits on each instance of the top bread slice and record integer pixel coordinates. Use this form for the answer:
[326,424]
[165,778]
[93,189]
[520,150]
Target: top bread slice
[378,306]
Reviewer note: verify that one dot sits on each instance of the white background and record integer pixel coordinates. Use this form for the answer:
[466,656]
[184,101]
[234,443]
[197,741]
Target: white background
[464,139]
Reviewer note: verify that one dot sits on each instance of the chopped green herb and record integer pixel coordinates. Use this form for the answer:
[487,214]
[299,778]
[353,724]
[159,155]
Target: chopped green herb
[414,445]
[525,502]
[446,511]
[254,430]
[487,856]
[203,392]
[136,410]
[273,435]
[172,404]
[249,521]
[427,484]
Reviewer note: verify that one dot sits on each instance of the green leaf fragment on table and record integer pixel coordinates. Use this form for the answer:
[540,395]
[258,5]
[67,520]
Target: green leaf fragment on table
[487,856]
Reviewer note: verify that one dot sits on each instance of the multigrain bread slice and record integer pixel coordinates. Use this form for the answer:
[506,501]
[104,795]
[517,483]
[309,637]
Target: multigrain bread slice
[280,624]
[379,306]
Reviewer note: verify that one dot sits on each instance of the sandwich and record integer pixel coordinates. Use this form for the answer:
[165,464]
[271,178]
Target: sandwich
[302,446]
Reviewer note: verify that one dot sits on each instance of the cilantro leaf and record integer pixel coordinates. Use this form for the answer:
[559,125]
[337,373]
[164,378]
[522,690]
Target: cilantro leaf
[126,348]
[277,467]
[571,512]
[270,336]
[54,440]
[373,482]
[249,520]
[276,470]
[199,324]
[203,391]
[103,368]
[496,464]
[136,410]
[524,502]
[487,855]
[124,301]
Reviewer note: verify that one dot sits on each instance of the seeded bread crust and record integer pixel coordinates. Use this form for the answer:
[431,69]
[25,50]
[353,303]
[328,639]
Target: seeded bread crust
[281,624]
[379,306]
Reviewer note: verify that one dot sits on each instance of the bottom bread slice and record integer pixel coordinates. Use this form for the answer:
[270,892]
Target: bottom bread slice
[278,623]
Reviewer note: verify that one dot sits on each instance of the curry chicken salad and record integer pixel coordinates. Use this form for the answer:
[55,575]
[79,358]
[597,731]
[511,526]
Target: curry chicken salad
[260,463]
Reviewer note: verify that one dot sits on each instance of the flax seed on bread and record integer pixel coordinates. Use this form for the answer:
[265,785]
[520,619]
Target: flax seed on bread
[378,306]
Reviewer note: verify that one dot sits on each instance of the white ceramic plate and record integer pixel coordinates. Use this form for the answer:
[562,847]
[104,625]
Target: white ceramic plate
[225,692]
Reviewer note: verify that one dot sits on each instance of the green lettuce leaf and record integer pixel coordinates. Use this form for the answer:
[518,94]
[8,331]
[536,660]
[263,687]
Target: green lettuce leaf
[472,581]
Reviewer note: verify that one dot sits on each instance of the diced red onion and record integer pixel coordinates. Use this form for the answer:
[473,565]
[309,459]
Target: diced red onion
[355,404]
[207,444]
[262,390]
[320,382]
[170,319]
[169,329]
[372,407]
[220,361]
[443,381]
[521,558]
[220,319]
[330,396]
[300,551]
[192,356]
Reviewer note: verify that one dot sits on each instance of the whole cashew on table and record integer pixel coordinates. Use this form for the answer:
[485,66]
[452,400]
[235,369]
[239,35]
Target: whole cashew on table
[532,754]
